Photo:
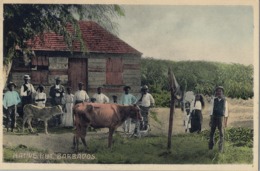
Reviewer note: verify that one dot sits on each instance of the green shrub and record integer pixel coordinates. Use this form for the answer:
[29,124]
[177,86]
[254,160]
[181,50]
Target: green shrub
[239,137]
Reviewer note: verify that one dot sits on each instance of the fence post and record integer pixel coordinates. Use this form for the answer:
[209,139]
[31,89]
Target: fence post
[174,86]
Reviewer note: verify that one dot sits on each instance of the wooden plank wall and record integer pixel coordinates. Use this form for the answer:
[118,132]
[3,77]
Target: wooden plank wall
[97,75]
[132,73]
[58,66]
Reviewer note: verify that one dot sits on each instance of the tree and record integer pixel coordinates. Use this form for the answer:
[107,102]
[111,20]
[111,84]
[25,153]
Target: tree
[24,21]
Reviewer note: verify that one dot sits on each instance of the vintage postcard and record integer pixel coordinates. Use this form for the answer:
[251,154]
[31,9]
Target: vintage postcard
[127,85]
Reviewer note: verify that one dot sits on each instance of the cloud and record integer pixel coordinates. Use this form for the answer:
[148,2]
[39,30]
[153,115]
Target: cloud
[215,33]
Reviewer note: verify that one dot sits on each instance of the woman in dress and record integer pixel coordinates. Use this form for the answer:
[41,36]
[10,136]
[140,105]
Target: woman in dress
[40,98]
[196,114]
[68,113]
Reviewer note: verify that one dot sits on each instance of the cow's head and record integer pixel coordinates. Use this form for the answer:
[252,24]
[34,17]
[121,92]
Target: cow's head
[135,113]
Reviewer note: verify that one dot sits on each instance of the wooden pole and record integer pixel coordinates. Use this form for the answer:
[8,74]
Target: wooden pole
[173,87]
[171,121]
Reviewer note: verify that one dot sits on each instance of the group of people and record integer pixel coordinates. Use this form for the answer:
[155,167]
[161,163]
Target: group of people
[64,97]
[218,116]
[60,96]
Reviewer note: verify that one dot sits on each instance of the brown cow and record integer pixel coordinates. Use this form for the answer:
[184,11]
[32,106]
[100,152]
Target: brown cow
[101,116]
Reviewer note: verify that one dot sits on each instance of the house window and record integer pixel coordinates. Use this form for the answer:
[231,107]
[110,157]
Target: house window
[114,71]
[40,63]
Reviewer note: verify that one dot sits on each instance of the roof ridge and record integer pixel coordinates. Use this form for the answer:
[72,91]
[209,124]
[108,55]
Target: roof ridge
[96,38]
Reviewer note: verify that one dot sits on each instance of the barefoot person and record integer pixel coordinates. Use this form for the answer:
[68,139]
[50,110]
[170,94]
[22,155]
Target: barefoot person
[127,99]
[218,117]
[10,102]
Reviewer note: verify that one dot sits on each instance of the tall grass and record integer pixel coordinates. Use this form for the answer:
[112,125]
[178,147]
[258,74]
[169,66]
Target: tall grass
[186,149]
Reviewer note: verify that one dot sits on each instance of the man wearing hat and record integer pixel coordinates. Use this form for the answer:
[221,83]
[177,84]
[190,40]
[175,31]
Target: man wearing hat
[40,98]
[100,97]
[218,117]
[10,101]
[127,99]
[27,91]
[57,92]
[80,95]
[146,101]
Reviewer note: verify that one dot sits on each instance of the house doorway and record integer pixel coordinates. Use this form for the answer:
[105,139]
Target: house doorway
[78,72]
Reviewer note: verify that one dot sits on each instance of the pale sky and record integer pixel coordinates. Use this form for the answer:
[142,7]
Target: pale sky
[211,33]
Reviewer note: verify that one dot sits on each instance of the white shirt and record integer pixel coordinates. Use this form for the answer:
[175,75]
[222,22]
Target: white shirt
[101,98]
[212,106]
[30,88]
[40,96]
[147,100]
[57,87]
[197,106]
[81,95]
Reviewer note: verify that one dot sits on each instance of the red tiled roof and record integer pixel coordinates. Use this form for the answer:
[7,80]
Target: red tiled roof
[96,39]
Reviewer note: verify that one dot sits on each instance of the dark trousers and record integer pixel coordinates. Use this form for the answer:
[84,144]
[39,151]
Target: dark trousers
[10,118]
[144,113]
[54,102]
[216,122]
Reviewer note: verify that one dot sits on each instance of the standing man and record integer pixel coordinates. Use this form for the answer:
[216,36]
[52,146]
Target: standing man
[27,92]
[100,97]
[146,101]
[81,95]
[218,117]
[10,101]
[57,93]
[127,99]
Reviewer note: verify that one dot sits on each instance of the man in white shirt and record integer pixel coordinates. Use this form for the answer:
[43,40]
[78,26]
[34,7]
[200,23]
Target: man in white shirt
[218,114]
[80,95]
[145,101]
[100,97]
[27,92]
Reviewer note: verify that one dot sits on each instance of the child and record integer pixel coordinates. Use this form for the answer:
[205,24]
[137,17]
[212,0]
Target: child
[68,114]
[187,116]
[196,114]
[114,99]
[40,98]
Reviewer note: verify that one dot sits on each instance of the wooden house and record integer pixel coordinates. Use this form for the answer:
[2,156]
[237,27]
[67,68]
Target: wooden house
[109,62]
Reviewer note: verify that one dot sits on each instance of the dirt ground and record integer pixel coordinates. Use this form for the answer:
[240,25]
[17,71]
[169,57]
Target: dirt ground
[240,115]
